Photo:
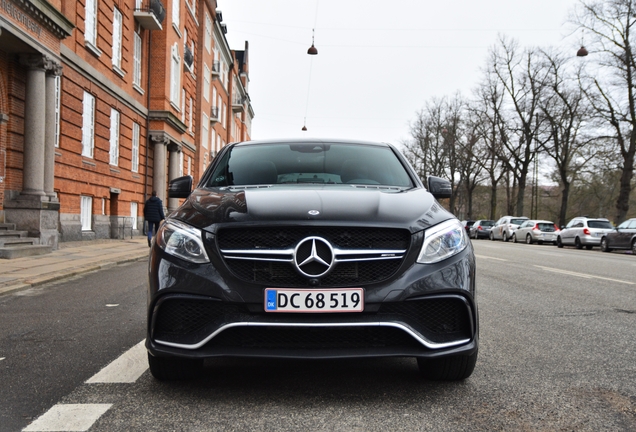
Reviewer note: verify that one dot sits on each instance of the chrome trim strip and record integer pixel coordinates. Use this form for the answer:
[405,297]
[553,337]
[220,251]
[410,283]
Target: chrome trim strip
[420,339]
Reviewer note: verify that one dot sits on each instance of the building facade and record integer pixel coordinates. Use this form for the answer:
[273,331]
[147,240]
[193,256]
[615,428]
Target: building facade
[104,101]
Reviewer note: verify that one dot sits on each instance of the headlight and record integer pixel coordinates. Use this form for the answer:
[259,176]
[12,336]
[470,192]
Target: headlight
[182,241]
[443,241]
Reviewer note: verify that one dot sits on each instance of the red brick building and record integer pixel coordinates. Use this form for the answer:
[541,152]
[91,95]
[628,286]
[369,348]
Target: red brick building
[104,101]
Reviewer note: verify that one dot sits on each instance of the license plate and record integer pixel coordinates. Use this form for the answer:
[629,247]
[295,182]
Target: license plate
[314,300]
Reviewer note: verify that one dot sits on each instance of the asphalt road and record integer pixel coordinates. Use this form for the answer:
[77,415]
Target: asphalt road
[558,342]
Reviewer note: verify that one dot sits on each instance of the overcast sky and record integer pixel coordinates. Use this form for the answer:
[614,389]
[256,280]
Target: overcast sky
[378,61]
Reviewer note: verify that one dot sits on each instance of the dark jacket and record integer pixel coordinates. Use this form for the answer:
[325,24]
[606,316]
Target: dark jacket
[153,210]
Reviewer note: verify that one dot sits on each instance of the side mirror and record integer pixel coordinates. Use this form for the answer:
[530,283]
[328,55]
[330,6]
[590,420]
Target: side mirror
[439,187]
[180,187]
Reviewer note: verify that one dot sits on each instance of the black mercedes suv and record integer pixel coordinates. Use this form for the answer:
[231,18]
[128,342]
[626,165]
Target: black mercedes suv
[311,249]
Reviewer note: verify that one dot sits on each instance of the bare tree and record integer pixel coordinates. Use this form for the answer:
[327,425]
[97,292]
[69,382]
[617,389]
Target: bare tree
[523,78]
[609,24]
[566,111]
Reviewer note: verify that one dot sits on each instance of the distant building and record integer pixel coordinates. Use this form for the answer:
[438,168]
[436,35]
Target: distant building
[103,101]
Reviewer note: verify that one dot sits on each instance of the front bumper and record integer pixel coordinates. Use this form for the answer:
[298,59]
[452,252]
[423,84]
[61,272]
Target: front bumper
[203,311]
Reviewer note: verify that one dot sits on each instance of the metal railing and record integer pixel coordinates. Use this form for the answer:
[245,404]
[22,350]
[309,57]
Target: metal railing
[154,6]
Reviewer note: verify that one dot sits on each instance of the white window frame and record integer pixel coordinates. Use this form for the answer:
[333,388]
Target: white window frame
[176,12]
[58,97]
[134,160]
[183,110]
[205,128]
[86,212]
[137,59]
[189,165]
[207,78]
[134,208]
[175,74]
[90,22]
[114,137]
[88,125]
[180,164]
[117,38]
[190,122]
[208,33]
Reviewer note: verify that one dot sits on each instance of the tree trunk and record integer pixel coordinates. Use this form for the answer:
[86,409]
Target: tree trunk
[565,194]
[622,203]
[493,200]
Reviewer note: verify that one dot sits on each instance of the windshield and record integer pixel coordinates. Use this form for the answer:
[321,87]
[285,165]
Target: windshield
[488,223]
[333,163]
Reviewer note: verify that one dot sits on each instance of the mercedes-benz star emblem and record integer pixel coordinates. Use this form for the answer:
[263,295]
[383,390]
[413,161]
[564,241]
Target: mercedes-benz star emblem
[313,257]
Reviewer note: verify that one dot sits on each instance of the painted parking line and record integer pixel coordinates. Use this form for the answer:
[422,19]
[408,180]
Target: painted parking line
[488,257]
[69,417]
[583,275]
[127,368]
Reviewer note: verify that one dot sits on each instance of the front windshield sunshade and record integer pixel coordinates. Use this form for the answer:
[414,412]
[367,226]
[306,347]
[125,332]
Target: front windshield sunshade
[333,163]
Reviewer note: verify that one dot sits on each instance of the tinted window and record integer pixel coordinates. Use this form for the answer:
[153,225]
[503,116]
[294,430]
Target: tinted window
[309,163]
[547,227]
[599,224]
[487,223]
[517,221]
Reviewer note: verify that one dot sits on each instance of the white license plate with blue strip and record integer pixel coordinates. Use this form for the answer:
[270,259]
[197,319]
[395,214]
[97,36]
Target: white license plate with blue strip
[314,300]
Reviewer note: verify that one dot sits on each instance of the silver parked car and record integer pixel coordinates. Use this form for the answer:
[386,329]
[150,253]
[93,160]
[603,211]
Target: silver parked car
[481,229]
[505,227]
[584,231]
[536,231]
[622,237]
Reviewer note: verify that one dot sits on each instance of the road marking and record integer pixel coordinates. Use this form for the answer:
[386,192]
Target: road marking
[127,368]
[2,358]
[487,257]
[583,275]
[69,417]
[112,305]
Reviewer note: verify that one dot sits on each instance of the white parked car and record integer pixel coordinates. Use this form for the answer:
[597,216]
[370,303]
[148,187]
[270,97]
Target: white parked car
[584,231]
[536,231]
[505,227]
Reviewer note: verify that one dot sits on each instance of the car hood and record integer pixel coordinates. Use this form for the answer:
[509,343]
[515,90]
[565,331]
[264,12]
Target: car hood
[414,209]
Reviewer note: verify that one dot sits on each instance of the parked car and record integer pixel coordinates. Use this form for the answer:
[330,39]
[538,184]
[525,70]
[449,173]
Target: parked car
[505,227]
[481,229]
[313,249]
[538,231]
[583,231]
[467,224]
[622,237]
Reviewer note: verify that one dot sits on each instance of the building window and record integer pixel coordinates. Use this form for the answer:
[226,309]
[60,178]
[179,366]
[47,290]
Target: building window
[208,33]
[117,31]
[190,126]
[133,214]
[88,125]
[90,22]
[114,137]
[176,12]
[135,148]
[207,76]
[86,212]
[137,60]
[58,93]
[175,81]
[204,130]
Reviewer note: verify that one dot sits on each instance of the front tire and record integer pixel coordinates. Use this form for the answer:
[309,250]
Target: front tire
[634,247]
[172,368]
[528,239]
[514,238]
[577,243]
[504,237]
[559,243]
[604,245]
[452,368]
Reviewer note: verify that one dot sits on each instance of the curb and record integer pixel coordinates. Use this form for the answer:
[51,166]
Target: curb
[66,274]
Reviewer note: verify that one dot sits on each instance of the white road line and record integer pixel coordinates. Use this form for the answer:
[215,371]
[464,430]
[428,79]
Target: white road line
[127,368]
[492,258]
[583,275]
[2,358]
[69,417]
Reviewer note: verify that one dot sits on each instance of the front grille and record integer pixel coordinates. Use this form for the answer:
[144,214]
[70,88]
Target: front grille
[285,275]
[313,338]
[188,321]
[288,237]
[271,270]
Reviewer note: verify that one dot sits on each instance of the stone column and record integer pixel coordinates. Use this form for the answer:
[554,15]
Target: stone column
[173,172]
[50,130]
[34,123]
[159,165]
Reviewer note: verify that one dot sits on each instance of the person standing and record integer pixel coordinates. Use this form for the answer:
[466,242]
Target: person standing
[153,214]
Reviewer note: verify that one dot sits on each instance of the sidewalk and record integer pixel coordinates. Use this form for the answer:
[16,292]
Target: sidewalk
[70,259]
